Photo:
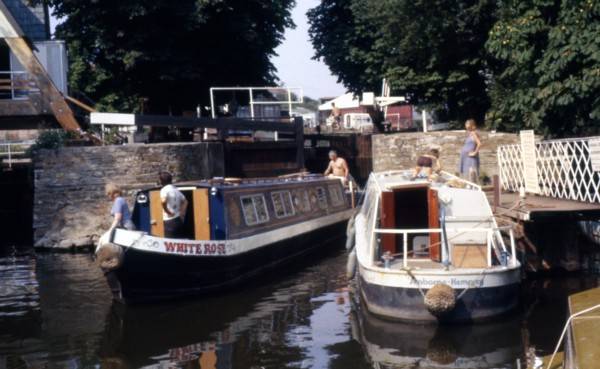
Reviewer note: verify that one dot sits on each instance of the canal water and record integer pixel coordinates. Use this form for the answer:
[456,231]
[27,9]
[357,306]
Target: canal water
[56,312]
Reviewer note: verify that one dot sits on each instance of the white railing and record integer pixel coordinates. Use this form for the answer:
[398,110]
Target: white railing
[14,85]
[564,169]
[8,150]
[490,232]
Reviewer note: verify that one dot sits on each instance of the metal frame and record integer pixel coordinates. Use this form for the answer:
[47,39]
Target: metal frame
[491,232]
[564,169]
[251,90]
[13,88]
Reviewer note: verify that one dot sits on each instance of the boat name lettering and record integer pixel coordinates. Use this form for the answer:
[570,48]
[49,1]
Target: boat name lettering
[207,248]
[452,282]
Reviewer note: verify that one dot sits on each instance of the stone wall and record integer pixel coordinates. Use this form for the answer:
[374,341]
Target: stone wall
[70,208]
[401,150]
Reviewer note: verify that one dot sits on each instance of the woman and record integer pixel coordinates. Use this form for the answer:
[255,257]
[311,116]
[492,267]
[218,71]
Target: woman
[469,154]
[120,209]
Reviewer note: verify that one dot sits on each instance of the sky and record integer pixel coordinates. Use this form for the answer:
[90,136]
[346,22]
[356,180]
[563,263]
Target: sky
[294,63]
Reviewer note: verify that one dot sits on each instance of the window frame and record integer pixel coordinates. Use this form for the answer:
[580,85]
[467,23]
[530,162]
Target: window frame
[281,194]
[337,200]
[252,198]
[319,202]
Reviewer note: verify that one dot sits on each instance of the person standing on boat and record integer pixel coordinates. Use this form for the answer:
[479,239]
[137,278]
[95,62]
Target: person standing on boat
[469,154]
[336,115]
[429,163]
[120,209]
[174,206]
[337,166]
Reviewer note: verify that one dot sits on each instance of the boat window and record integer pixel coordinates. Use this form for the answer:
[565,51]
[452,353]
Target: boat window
[282,203]
[255,209]
[321,198]
[337,199]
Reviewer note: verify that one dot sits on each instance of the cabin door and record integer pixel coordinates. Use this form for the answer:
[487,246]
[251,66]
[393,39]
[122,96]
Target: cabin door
[434,222]
[157,227]
[201,214]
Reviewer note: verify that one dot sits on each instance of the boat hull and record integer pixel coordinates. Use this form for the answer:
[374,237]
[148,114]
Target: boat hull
[407,303]
[147,276]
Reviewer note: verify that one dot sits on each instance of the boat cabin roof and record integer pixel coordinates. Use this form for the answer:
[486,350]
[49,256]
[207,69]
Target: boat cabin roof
[222,183]
[390,180]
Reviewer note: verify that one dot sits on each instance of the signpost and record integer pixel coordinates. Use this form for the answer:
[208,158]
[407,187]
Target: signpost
[594,149]
[529,158]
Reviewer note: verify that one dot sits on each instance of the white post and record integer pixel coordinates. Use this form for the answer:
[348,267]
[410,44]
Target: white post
[9,158]
[251,104]
[405,250]
[212,104]
[424,115]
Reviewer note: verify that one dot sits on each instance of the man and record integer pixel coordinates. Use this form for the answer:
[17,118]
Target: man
[337,166]
[174,206]
[336,114]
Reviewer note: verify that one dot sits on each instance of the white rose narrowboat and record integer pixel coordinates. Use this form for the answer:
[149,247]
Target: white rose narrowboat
[432,251]
[236,230]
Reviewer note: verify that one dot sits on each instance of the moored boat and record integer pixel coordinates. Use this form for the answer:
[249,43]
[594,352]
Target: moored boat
[235,230]
[432,251]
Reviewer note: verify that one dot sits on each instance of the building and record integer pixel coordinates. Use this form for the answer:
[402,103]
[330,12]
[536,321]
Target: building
[33,69]
[394,110]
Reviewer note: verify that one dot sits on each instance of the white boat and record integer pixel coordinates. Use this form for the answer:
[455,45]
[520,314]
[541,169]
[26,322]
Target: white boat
[432,251]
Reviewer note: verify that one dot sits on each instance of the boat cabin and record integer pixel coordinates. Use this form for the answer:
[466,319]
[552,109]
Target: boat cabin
[221,209]
[447,222]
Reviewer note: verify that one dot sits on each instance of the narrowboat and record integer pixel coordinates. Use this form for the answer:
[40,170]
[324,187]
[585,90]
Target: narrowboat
[432,251]
[236,229]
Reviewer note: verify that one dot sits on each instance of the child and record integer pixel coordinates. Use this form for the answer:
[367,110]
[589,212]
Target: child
[429,162]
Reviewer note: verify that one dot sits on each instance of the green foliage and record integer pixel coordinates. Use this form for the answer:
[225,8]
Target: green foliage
[431,50]
[549,74]
[50,139]
[168,51]
[524,64]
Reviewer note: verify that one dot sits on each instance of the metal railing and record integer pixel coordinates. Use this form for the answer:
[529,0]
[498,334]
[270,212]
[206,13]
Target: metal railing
[8,151]
[564,169]
[490,243]
[14,85]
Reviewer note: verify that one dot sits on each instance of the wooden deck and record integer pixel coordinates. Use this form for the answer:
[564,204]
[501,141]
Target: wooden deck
[541,207]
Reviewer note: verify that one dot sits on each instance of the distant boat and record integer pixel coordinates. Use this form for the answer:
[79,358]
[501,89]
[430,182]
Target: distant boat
[237,229]
[432,251]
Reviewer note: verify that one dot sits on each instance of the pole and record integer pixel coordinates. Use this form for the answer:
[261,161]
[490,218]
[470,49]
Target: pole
[496,185]
[212,104]
[424,115]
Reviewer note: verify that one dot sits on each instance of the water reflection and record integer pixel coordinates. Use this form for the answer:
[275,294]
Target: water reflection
[403,345]
[56,312]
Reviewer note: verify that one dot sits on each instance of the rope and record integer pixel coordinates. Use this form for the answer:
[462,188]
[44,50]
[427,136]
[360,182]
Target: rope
[409,272]
[469,287]
[567,324]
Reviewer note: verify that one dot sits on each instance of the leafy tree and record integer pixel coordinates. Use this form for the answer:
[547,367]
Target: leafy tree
[549,66]
[431,50]
[169,52]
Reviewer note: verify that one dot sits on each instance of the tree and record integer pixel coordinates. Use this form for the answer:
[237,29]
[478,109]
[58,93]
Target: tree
[431,50]
[548,76]
[169,52]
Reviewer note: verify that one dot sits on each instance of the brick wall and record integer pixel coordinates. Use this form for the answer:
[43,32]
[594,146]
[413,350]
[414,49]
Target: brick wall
[70,208]
[401,150]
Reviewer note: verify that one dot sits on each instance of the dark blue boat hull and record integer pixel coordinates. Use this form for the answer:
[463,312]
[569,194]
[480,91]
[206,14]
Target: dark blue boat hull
[406,304]
[147,276]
